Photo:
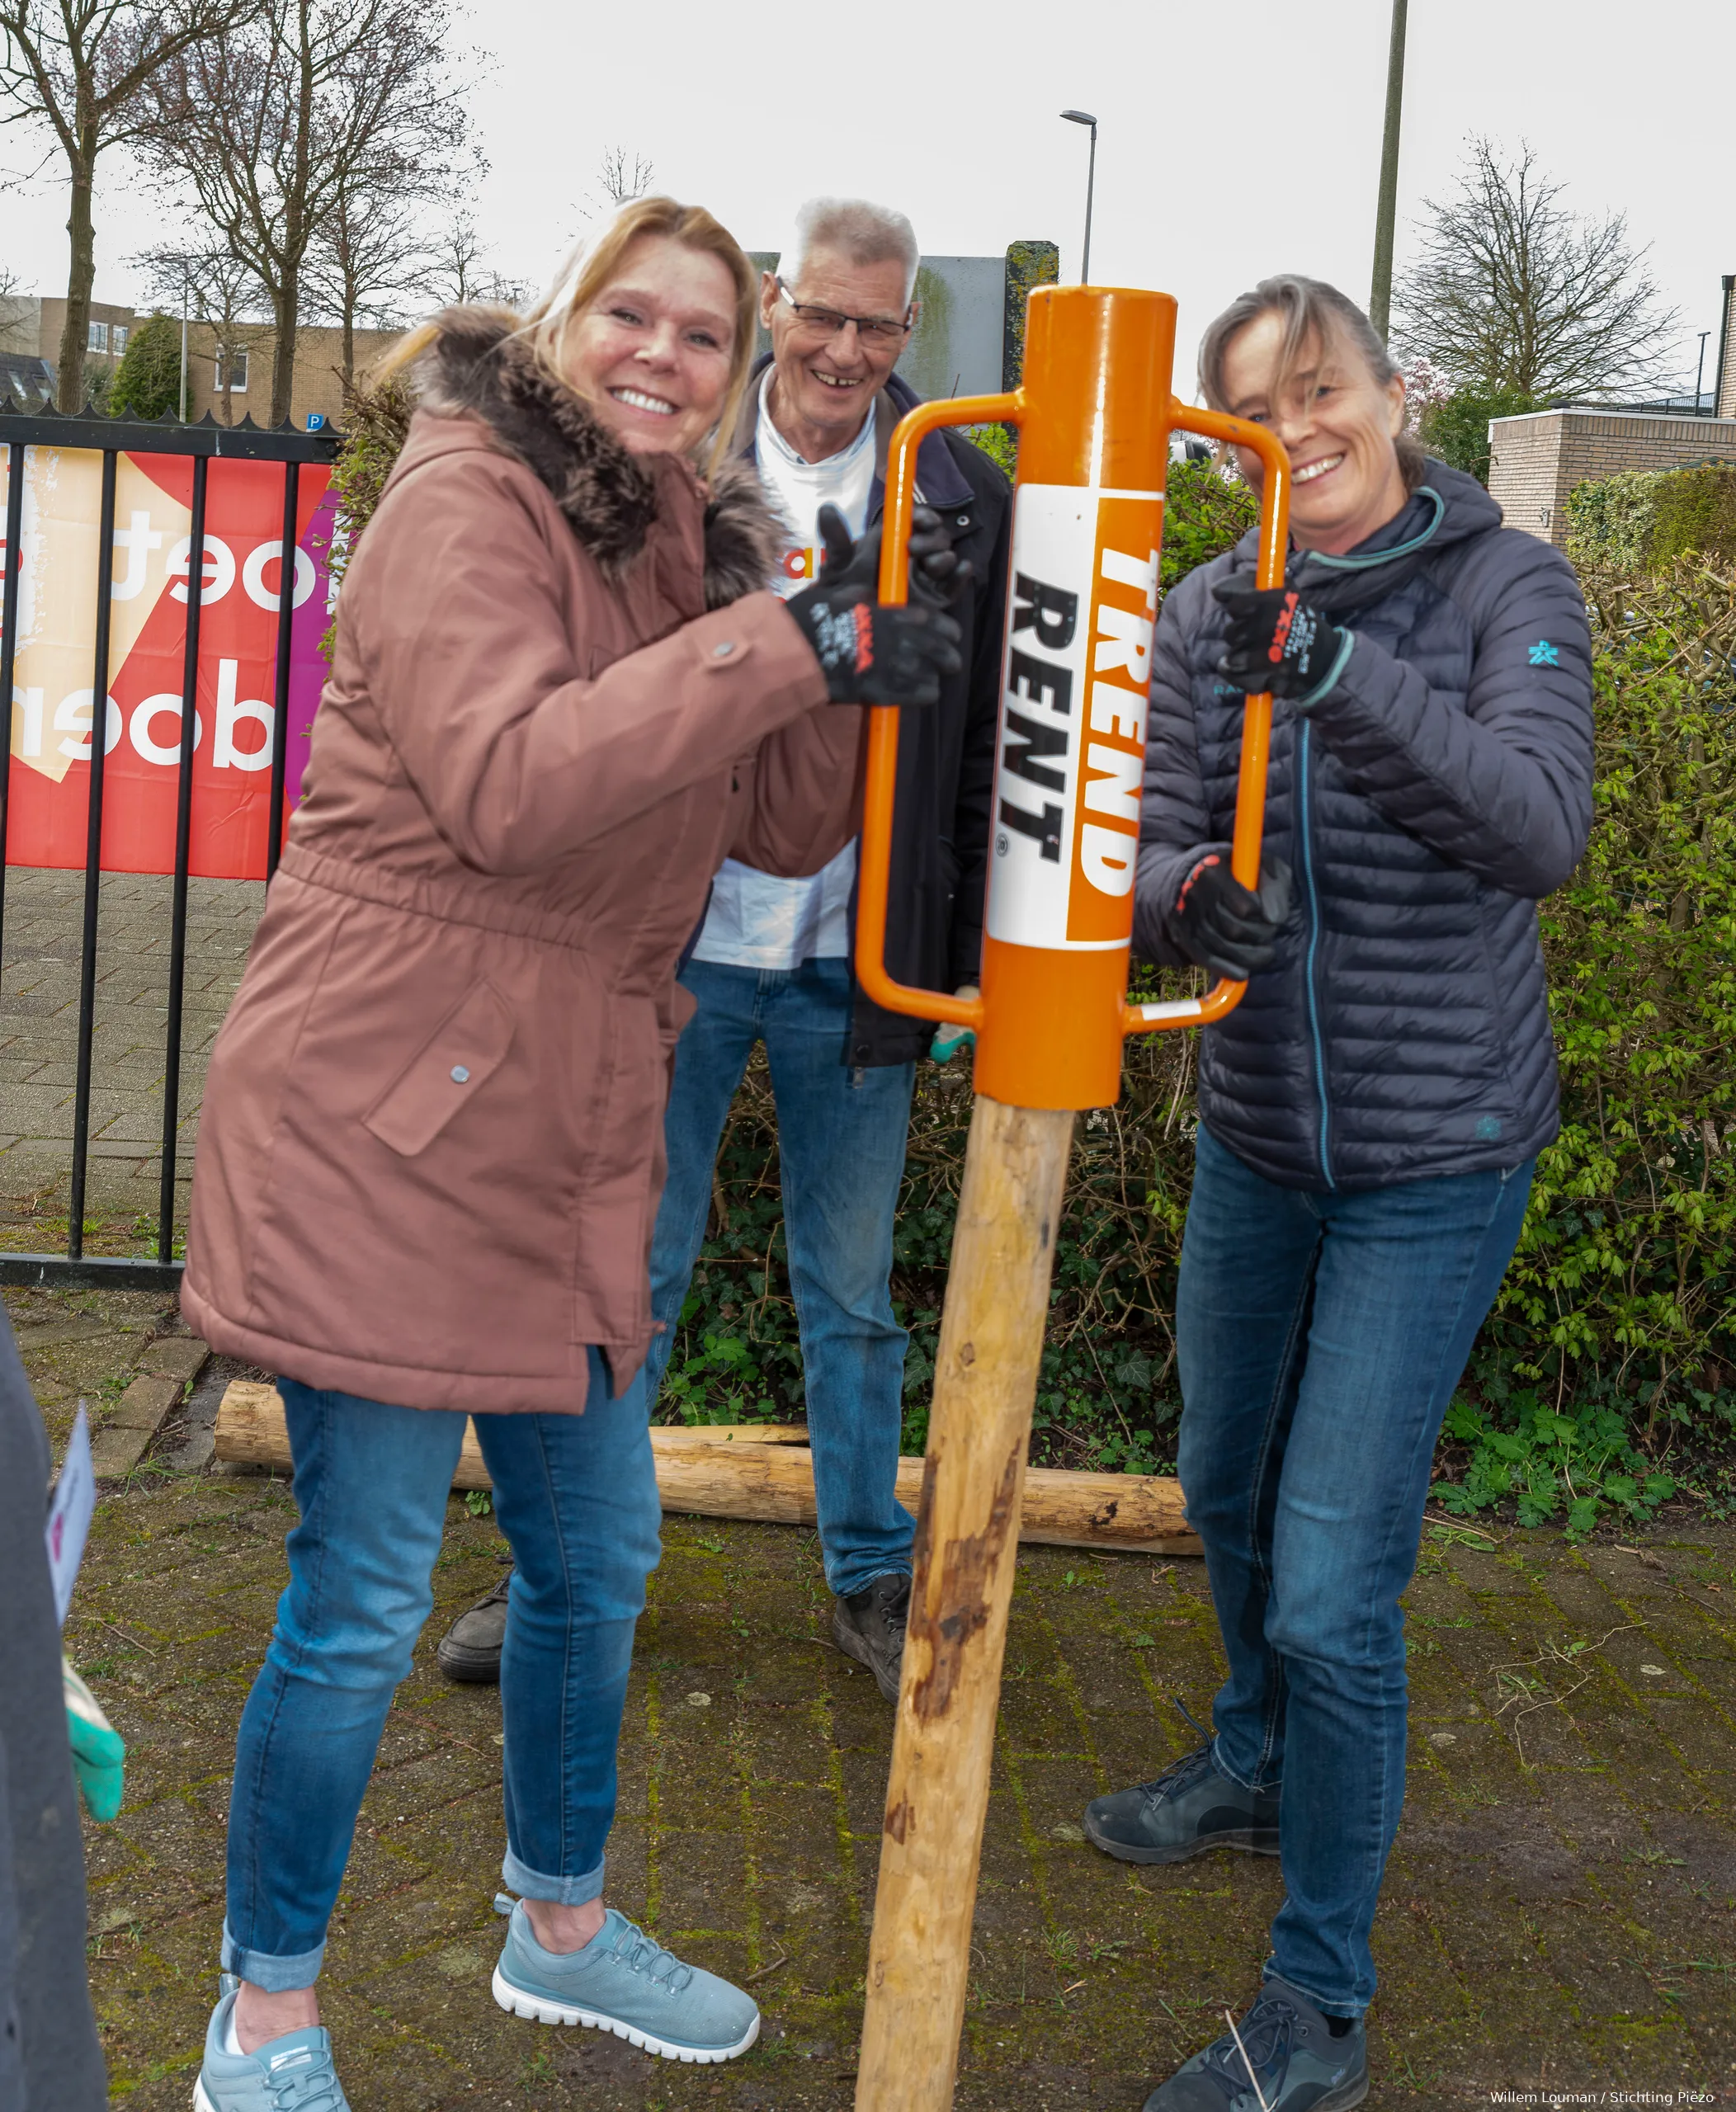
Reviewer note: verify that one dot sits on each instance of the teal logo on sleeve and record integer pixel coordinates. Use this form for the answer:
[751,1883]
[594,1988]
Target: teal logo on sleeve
[1545,655]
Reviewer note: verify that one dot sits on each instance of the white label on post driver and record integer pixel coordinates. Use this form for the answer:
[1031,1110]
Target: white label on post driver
[1071,762]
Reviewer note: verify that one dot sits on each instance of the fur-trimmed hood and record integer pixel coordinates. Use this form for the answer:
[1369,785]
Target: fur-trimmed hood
[478,367]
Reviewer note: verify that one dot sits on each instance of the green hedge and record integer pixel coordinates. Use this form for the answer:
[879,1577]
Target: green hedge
[1645,521]
[1603,1380]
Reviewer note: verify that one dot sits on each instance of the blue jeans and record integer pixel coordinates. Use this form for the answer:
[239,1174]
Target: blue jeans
[840,1137]
[577,1498]
[1320,1338]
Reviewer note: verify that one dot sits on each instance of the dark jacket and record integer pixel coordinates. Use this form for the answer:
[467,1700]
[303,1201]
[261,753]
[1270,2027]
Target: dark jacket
[1425,805]
[945,779]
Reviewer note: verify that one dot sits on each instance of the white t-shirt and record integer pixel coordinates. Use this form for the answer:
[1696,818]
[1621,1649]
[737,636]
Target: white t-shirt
[757,920]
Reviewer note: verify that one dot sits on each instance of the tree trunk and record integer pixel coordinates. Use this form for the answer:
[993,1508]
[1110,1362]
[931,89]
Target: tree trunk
[349,349]
[283,357]
[81,273]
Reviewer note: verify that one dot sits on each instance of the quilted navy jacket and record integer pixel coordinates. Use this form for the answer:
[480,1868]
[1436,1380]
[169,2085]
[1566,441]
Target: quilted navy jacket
[1425,805]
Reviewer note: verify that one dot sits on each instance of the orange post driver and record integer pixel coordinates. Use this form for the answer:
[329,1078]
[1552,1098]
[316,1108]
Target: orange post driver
[1095,413]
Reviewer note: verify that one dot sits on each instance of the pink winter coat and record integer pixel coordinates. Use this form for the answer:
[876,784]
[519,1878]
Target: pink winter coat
[432,1145]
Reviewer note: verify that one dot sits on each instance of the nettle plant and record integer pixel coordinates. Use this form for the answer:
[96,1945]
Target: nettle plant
[1604,1376]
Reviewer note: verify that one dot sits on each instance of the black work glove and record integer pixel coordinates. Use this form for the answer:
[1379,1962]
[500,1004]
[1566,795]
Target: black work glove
[1224,926]
[1278,641]
[936,570]
[870,653]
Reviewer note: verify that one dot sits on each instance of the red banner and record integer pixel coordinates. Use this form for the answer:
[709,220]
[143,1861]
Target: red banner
[234,715]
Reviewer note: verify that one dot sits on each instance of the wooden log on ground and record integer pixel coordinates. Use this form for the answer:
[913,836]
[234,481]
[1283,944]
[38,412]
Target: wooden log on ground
[764,1471]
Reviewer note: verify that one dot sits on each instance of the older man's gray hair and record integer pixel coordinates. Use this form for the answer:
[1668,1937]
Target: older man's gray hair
[852,229]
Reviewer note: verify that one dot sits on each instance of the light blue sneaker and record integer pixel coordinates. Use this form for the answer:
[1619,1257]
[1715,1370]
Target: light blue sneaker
[624,1982]
[291,2074]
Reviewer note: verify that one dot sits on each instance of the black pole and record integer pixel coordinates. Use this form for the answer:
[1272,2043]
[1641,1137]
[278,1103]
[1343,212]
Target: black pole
[1381,293]
[285,624]
[1699,371]
[183,858]
[1091,185]
[92,857]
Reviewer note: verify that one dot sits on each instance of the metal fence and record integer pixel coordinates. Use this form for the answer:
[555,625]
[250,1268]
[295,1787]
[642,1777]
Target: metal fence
[112,437]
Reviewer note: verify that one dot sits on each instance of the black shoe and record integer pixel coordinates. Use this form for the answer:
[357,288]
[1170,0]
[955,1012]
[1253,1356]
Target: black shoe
[1297,2065]
[868,1626]
[1189,1809]
[469,1650]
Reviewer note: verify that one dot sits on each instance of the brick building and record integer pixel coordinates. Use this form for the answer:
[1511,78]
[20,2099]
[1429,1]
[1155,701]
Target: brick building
[229,365]
[229,370]
[1535,461]
[30,342]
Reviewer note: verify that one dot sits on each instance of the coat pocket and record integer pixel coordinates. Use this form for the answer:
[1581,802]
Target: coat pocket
[455,1063]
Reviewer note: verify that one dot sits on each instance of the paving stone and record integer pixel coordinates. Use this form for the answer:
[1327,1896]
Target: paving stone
[1568,1895]
[143,1405]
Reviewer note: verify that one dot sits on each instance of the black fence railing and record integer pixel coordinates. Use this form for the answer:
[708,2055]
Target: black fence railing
[113,437]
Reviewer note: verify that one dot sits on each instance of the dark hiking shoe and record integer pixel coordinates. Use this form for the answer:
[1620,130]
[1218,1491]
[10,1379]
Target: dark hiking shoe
[469,1650]
[868,1626]
[1287,2061]
[1190,1809]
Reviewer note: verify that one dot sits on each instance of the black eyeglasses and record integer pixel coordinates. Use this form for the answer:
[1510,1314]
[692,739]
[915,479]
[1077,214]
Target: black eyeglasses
[827,322]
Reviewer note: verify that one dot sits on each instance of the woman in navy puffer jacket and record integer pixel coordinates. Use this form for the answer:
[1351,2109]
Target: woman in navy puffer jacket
[1370,1115]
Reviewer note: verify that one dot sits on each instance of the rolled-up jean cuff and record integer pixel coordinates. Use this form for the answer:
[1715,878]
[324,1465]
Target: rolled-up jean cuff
[277,1976]
[562,1892]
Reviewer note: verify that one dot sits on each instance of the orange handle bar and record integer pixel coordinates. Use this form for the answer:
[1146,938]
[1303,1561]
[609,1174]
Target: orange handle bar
[883,721]
[1244,856]
[883,727]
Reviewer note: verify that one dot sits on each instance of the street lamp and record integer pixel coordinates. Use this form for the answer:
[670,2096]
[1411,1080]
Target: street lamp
[1085,117]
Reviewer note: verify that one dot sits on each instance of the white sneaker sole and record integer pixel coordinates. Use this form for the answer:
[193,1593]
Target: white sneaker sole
[541,2010]
[202,2101]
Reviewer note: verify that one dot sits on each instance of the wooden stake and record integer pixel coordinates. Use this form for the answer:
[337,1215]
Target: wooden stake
[966,1541]
[765,1471]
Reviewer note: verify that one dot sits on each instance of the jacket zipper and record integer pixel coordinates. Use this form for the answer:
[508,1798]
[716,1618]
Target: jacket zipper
[1306,832]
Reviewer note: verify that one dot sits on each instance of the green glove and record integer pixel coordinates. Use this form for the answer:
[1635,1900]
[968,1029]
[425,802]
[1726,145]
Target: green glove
[948,1039]
[98,1751]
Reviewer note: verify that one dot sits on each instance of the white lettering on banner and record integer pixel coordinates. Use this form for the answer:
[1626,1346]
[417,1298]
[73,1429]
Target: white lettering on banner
[253,575]
[219,570]
[1108,858]
[1079,649]
[1123,569]
[1123,640]
[1054,544]
[1117,710]
[137,540]
[1118,793]
[28,705]
[139,730]
[224,753]
[73,715]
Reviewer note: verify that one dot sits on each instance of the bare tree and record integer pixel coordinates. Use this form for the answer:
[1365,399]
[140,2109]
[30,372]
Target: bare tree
[620,178]
[366,251]
[314,103]
[81,71]
[1512,291]
[455,270]
[205,283]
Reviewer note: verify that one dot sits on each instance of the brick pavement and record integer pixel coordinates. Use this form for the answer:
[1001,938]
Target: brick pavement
[1560,1912]
[39,1021]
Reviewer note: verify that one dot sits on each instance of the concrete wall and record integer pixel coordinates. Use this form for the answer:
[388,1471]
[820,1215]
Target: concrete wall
[1537,461]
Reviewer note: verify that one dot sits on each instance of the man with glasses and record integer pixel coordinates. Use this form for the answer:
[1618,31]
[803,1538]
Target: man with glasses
[772,961]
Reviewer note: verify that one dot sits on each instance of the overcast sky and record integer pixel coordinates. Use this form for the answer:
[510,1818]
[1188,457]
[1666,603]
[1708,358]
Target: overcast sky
[1234,141]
